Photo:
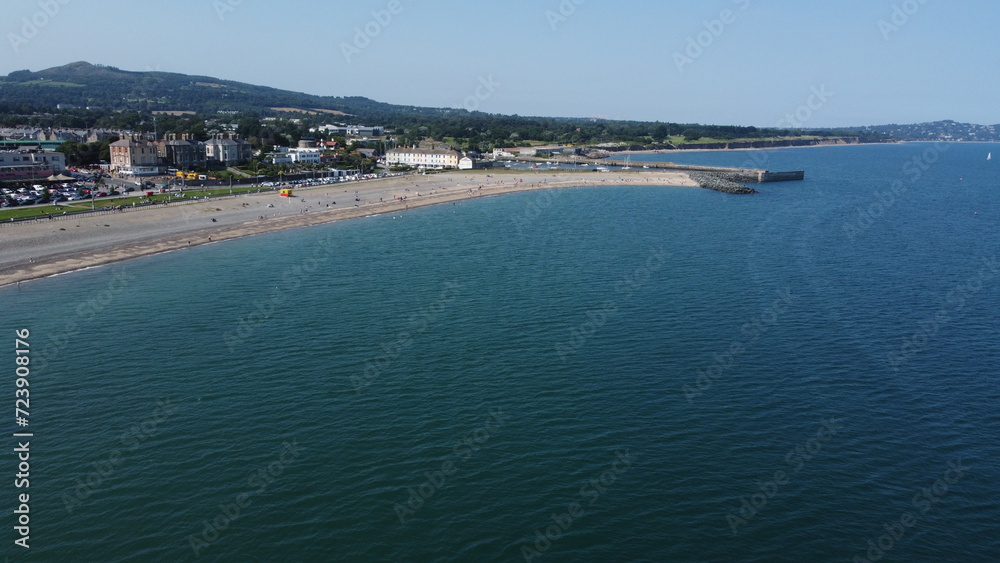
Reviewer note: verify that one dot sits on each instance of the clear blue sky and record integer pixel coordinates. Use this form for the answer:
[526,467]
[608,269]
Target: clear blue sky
[621,60]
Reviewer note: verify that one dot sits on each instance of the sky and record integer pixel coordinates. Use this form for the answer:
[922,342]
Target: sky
[737,62]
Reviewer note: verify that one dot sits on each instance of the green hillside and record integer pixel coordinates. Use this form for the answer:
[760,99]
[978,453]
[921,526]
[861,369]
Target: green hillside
[84,84]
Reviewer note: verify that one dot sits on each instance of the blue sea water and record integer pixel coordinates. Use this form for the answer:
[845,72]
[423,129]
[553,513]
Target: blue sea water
[593,374]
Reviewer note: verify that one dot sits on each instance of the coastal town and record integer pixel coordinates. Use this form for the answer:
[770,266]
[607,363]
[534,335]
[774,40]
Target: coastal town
[534,281]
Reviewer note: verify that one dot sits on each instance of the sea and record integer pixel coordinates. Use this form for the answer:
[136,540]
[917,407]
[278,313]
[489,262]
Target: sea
[613,373]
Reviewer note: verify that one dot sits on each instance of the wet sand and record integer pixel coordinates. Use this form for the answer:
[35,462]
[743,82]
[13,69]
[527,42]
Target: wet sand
[44,248]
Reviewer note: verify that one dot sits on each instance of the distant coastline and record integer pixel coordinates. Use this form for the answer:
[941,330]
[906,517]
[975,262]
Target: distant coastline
[751,145]
[685,151]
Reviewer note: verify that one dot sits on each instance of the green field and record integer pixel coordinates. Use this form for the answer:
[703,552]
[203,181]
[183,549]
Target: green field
[679,140]
[51,83]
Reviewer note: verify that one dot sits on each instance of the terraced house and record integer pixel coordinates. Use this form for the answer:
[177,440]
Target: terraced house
[225,150]
[133,156]
[427,158]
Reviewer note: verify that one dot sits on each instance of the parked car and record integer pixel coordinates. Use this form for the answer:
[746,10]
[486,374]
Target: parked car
[101,194]
[129,189]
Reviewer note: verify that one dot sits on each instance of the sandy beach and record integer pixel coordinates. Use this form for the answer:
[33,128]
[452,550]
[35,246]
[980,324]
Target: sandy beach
[44,248]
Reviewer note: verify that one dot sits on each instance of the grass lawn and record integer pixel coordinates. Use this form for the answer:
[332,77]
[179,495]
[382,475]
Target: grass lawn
[51,83]
[679,140]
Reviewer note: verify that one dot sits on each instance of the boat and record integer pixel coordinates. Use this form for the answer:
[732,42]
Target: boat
[989,156]
[628,162]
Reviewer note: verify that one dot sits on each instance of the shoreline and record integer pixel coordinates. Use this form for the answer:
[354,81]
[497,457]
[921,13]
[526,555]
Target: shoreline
[685,151]
[43,249]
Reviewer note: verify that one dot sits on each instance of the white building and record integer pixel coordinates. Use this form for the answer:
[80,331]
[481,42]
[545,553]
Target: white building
[285,155]
[352,130]
[279,157]
[307,156]
[30,163]
[427,158]
[225,150]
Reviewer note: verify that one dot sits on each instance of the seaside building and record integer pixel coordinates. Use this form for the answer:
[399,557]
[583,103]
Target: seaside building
[184,153]
[279,157]
[30,163]
[426,158]
[134,157]
[58,135]
[225,150]
[351,130]
[305,155]
[509,152]
[549,150]
[469,163]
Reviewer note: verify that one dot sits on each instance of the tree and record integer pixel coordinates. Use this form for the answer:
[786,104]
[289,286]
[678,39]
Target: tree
[104,155]
[692,134]
[248,126]
[199,132]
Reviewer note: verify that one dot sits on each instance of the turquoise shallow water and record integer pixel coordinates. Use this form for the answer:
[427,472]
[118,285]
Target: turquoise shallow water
[619,368]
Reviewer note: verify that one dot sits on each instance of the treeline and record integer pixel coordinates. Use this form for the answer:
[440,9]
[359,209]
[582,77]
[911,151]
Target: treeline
[86,154]
[484,131]
[125,100]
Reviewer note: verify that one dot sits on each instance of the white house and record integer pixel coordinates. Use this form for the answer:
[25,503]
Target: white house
[310,156]
[427,158]
[279,157]
[225,150]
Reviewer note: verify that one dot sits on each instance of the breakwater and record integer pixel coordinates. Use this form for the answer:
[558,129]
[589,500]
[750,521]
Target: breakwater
[750,175]
[747,175]
[720,183]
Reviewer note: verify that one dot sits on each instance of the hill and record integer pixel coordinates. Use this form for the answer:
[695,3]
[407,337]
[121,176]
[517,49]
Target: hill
[83,84]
